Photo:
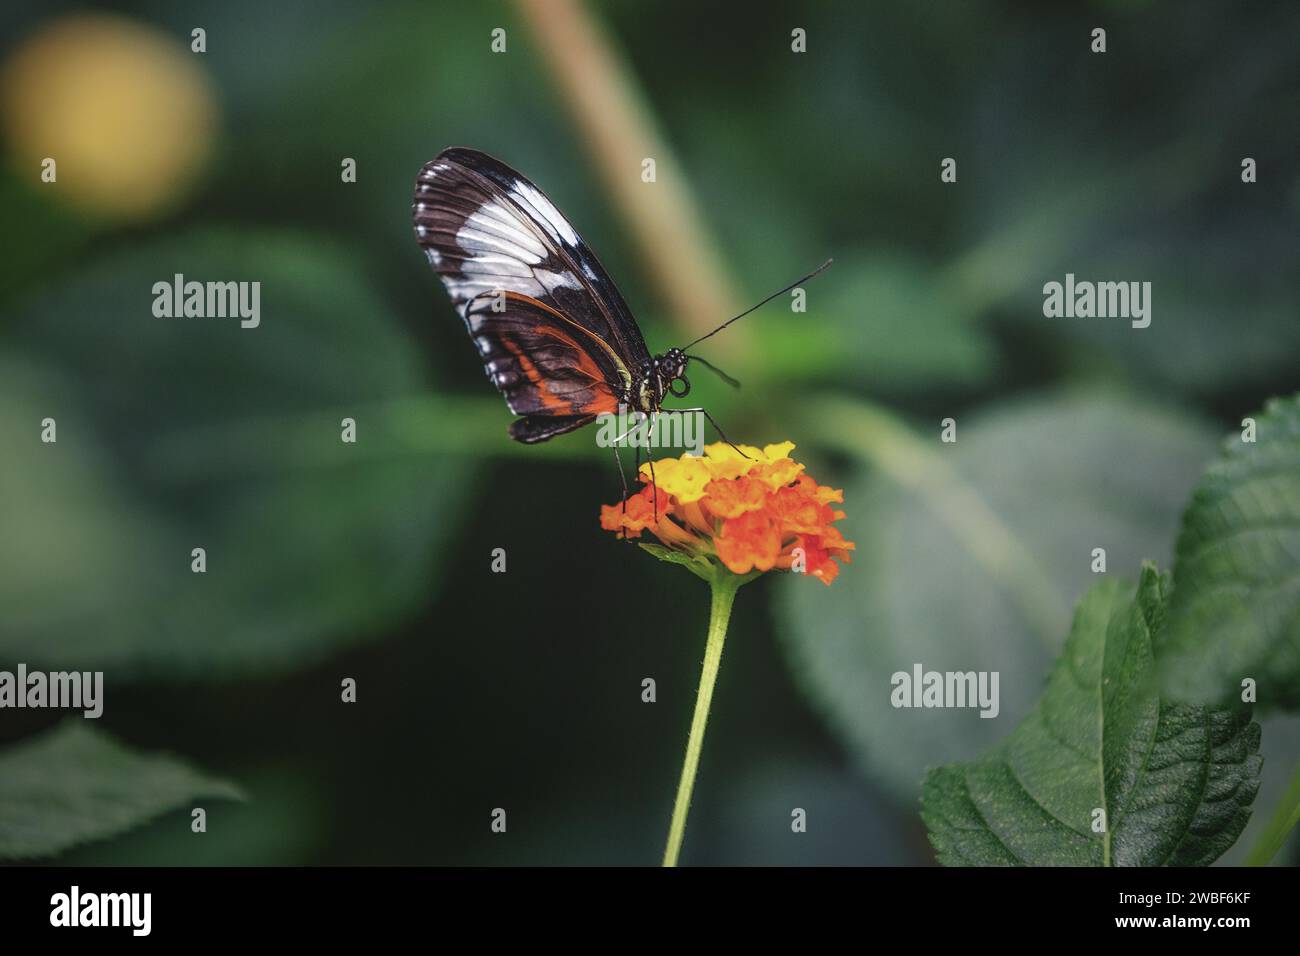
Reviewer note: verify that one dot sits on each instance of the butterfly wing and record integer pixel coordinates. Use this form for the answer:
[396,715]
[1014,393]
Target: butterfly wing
[491,235]
[550,369]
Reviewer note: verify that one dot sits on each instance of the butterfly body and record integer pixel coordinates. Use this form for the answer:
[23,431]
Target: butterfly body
[555,336]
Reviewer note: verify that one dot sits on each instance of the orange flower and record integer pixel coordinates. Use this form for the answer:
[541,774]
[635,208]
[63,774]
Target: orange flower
[751,514]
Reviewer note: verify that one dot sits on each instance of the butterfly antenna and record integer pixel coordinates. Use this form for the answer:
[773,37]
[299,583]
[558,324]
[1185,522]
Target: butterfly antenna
[796,283]
[715,370]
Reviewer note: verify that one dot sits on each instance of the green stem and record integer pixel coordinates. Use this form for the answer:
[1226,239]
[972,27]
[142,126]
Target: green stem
[1279,828]
[724,586]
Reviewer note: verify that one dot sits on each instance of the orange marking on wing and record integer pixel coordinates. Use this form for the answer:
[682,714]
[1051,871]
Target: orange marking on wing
[604,399]
[596,340]
[602,403]
[550,400]
[585,361]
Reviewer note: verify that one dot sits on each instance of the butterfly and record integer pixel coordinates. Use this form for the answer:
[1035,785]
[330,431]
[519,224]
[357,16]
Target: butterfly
[555,336]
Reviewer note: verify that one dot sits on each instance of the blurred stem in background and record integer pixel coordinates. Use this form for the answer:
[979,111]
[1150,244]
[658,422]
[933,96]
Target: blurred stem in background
[618,131]
[1285,817]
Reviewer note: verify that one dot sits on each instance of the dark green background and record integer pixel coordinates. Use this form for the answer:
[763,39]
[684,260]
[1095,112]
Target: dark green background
[522,690]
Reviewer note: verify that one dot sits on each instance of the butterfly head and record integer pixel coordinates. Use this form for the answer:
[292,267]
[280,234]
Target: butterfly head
[669,373]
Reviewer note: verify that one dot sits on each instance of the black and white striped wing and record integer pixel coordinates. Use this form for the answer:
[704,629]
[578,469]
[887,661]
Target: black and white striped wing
[486,229]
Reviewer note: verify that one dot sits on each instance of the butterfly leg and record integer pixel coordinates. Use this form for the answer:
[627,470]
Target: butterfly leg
[619,461]
[636,470]
[655,484]
[623,437]
[621,477]
[654,421]
[717,429]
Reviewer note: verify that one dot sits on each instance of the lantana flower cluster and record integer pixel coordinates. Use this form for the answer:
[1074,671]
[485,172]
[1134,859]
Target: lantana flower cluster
[755,511]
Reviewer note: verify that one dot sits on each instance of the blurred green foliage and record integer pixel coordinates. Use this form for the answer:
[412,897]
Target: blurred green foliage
[206,435]
[371,561]
[1062,475]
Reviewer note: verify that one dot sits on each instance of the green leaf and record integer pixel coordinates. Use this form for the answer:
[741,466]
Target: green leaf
[73,784]
[1175,782]
[971,555]
[184,433]
[1235,612]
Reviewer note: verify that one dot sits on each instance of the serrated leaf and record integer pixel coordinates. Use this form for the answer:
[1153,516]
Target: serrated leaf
[1169,784]
[74,784]
[1055,477]
[1235,610]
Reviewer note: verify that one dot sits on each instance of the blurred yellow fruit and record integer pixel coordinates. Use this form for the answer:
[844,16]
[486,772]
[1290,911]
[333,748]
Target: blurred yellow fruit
[127,113]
